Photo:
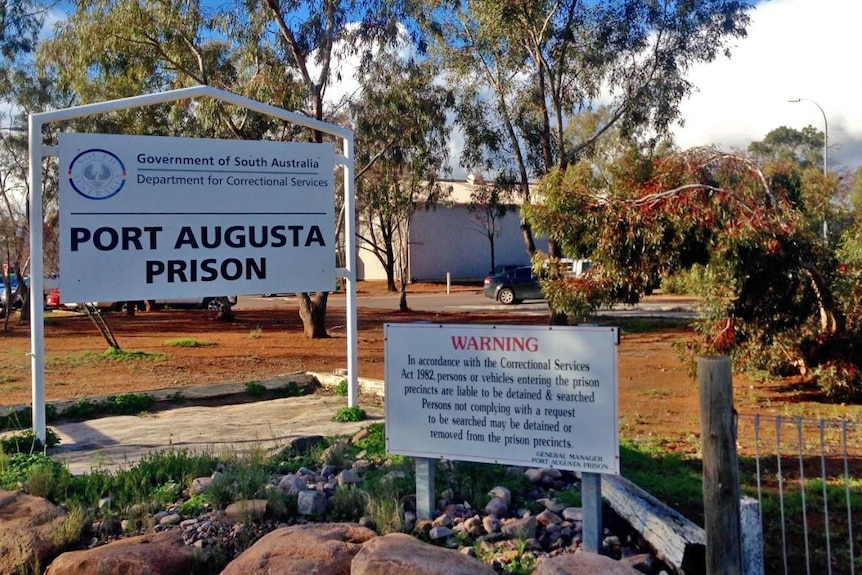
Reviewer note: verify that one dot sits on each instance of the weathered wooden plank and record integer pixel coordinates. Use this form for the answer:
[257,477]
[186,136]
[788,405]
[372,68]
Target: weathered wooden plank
[677,541]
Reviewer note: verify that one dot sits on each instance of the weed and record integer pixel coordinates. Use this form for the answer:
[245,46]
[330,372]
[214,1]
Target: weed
[386,510]
[111,355]
[255,389]
[256,332]
[188,342]
[68,530]
[349,503]
[570,498]
[290,389]
[123,404]
[177,398]
[193,506]
[349,414]
[337,455]
[341,388]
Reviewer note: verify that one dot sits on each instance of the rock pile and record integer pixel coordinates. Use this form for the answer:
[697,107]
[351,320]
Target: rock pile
[522,532]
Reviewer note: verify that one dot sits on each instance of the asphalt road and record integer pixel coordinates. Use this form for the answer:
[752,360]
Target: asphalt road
[461,301]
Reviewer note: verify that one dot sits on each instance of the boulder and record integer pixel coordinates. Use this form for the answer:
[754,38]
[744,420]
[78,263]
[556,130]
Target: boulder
[583,563]
[246,510]
[160,553]
[26,531]
[325,548]
[402,554]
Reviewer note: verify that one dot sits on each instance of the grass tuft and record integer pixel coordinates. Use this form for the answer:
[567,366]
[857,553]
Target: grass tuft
[188,342]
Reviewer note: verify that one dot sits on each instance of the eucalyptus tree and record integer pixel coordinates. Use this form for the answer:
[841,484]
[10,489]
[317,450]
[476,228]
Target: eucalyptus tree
[279,52]
[523,70]
[402,146]
[20,22]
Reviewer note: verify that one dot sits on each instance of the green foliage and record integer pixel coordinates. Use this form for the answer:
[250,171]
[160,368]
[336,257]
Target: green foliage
[69,530]
[349,503]
[27,442]
[746,240]
[123,404]
[255,389]
[188,342]
[193,506]
[349,414]
[670,477]
[256,332]
[243,479]
[570,497]
[341,388]
[290,389]
[375,442]
[803,147]
[386,509]
[473,481]
[111,355]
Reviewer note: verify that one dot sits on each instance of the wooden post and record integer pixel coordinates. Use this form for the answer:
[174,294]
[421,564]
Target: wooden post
[720,470]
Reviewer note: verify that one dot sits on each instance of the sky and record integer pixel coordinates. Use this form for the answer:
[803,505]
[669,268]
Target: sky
[795,49]
[805,49]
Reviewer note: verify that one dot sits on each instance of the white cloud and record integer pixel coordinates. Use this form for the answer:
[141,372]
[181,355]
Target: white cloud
[795,49]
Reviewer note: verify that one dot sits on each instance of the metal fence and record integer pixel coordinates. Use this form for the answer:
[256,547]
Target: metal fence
[807,475]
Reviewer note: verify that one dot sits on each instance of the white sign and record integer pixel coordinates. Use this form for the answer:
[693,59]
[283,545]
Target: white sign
[144,217]
[518,395]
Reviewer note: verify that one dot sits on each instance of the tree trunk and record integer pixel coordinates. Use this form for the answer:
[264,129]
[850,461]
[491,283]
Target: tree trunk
[312,311]
[826,303]
[225,311]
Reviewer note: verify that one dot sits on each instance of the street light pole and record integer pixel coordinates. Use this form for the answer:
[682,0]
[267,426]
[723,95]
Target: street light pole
[825,149]
[825,128]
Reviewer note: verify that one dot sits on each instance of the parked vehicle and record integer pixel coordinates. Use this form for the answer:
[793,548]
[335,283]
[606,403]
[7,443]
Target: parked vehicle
[13,285]
[52,298]
[198,302]
[513,286]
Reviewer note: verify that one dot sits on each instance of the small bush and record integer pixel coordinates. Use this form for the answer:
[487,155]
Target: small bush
[290,389]
[349,414]
[27,442]
[129,403]
[341,388]
[256,333]
[255,389]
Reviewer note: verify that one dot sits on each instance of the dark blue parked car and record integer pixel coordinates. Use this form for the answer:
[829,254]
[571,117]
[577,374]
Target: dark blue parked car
[513,286]
[13,283]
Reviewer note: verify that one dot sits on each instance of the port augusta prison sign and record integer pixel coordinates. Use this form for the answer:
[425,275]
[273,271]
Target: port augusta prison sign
[518,395]
[145,217]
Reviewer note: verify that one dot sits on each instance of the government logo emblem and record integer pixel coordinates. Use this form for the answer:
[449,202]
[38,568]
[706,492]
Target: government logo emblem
[97,174]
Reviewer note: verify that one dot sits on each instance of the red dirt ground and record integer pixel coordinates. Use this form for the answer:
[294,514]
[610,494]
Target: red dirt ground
[658,396]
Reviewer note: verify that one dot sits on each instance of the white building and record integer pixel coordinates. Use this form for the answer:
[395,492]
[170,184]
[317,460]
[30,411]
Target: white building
[451,239]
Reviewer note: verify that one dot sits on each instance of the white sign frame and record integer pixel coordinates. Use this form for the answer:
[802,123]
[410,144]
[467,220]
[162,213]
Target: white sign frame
[518,395]
[153,217]
[38,152]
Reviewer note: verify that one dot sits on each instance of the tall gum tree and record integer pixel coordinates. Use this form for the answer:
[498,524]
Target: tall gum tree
[402,144]
[524,69]
[278,52]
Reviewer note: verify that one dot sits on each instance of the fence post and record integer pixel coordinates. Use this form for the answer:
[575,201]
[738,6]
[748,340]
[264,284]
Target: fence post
[720,471]
[752,536]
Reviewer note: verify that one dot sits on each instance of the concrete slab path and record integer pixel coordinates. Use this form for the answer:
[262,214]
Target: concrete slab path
[110,443]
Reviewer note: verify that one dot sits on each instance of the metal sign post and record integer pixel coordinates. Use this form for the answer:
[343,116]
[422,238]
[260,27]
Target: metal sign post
[38,152]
